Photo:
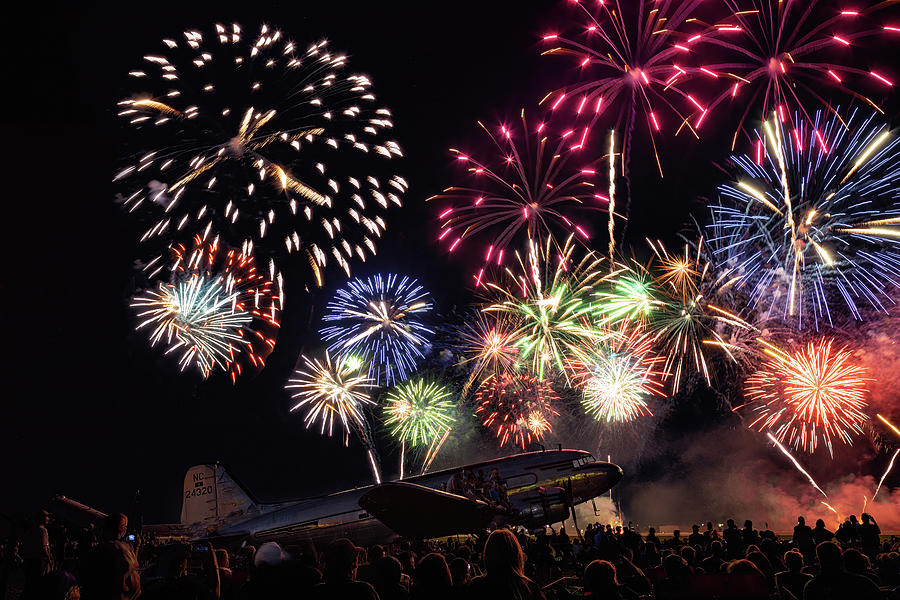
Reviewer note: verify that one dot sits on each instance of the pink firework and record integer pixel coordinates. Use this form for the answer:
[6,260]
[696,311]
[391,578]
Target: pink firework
[528,190]
[775,56]
[628,63]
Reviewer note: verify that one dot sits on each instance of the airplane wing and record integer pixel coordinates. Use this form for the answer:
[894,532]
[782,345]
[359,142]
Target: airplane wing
[417,511]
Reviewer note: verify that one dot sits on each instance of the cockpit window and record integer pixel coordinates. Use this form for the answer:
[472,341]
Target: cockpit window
[578,462]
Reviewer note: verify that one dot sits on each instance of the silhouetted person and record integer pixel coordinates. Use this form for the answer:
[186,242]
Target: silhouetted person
[869,535]
[115,526]
[341,560]
[37,558]
[109,572]
[749,536]
[711,532]
[856,562]
[677,583]
[794,579]
[834,581]
[388,575]
[696,538]
[820,533]
[600,582]
[713,563]
[504,577]
[460,574]
[754,584]
[651,537]
[733,539]
[431,580]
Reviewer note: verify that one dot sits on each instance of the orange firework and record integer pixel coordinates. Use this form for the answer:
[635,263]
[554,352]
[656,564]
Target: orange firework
[808,396]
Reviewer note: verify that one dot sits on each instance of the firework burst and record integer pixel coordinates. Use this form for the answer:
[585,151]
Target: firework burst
[811,225]
[627,61]
[692,319]
[332,391]
[418,412]
[489,347]
[517,408]
[256,138]
[617,375]
[379,320]
[808,396]
[218,310]
[530,192]
[776,56]
[549,296]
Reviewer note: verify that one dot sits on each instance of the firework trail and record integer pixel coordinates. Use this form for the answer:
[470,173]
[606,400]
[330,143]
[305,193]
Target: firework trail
[886,471]
[809,396]
[517,408]
[797,464]
[776,55]
[811,225]
[612,198]
[218,310]
[549,297]
[889,424]
[528,191]
[256,138]
[378,319]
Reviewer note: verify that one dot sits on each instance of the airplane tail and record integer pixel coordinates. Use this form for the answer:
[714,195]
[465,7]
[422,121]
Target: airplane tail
[210,494]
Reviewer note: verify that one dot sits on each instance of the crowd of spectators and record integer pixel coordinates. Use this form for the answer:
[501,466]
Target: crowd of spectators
[490,489]
[855,561]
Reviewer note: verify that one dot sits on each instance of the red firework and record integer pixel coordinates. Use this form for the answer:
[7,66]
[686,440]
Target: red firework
[518,408]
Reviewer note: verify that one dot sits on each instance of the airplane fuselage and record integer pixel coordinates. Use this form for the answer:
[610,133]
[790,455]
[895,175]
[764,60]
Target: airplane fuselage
[527,478]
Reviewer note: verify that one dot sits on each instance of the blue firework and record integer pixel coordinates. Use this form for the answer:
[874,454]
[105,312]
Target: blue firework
[378,320]
[811,220]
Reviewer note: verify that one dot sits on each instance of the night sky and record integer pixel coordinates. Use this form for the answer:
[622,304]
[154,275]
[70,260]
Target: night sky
[89,410]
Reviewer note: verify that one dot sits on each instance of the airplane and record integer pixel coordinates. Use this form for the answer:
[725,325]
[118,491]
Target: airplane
[543,487]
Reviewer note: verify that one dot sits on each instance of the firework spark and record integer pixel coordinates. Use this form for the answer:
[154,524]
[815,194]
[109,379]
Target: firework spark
[812,226]
[517,408]
[248,134]
[378,319]
[218,310]
[549,297]
[617,375]
[530,192]
[809,396]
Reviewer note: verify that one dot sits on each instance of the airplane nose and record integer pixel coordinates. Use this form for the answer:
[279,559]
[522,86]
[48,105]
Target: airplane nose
[595,479]
[612,473]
